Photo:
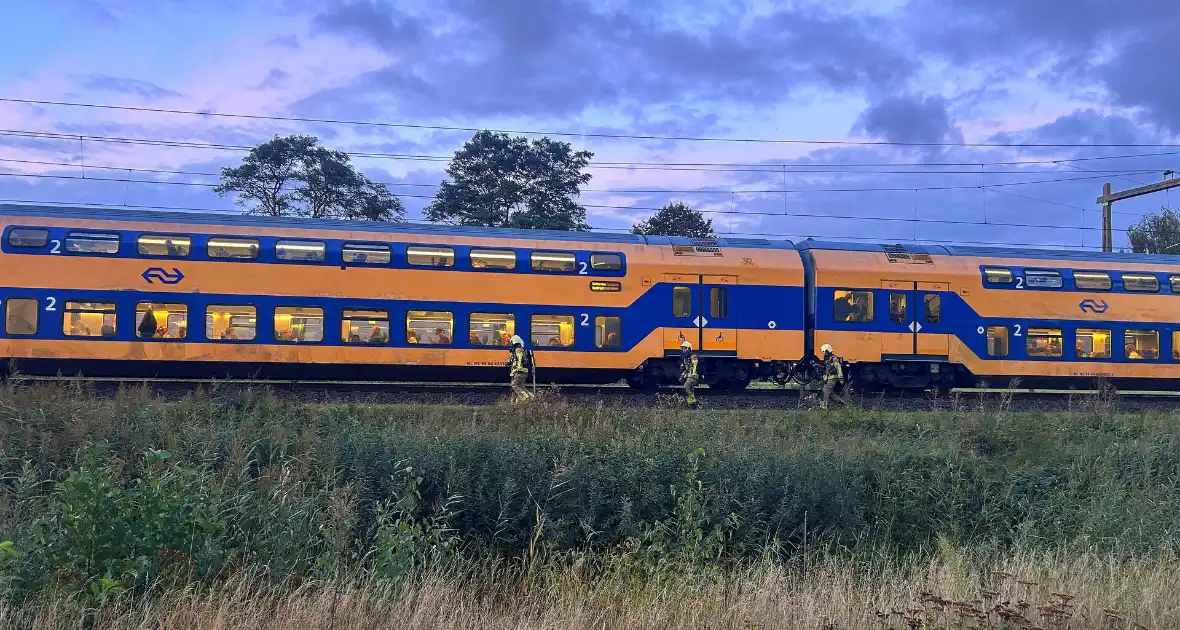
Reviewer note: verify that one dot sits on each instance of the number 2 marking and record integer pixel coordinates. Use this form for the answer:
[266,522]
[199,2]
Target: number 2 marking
[1018,329]
[56,247]
[582,268]
[585,319]
[51,304]
[1019,282]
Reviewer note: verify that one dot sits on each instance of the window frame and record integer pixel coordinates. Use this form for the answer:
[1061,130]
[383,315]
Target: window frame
[288,242]
[1048,274]
[474,252]
[1090,331]
[622,261]
[274,331]
[118,241]
[454,258]
[1174,282]
[533,263]
[870,311]
[511,317]
[1085,272]
[926,299]
[36,315]
[1139,275]
[166,237]
[988,271]
[187,330]
[21,228]
[345,318]
[353,245]
[257,243]
[205,315]
[1028,338]
[675,290]
[1142,332]
[905,317]
[406,329]
[66,310]
[619,324]
[724,302]
[573,328]
[989,335]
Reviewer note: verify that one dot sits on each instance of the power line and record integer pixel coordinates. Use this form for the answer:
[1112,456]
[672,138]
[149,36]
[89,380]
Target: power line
[363,123]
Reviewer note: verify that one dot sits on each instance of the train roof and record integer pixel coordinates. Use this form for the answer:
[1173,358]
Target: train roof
[994,252]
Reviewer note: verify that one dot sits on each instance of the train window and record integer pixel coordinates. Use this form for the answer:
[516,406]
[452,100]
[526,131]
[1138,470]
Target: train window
[92,243]
[1176,345]
[897,309]
[998,275]
[719,302]
[20,317]
[164,245]
[299,324]
[431,328]
[420,256]
[552,331]
[681,301]
[156,320]
[493,259]
[606,262]
[89,319]
[366,254]
[1043,279]
[1175,282]
[997,341]
[491,329]
[240,248]
[1093,343]
[607,332]
[231,323]
[1141,282]
[853,306]
[1092,280]
[1043,342]
[28,237]
[933,308]
[1141,344]
[553,261]
[364,326]
[605,286]
[301,251]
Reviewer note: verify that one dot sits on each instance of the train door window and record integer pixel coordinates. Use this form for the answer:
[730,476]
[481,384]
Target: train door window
[28,237]
[231,323]
[552,331]
[608,331]
[364,326]
[853,306]
[239,248]
[164,245]
[301,251]
[719,302]
[1141,283]
[156,320]
[422,256]
[89,319]
[1093,343]
[606,262]
[897,308]
[932,308]
[430,328]
[1092,280]
[998,275]
[492,259]
[491,329]
[563,262]
[1176,345]
[681,301]
[997,341]
[92,243]
[1043,342]
[1043,279]
[366,254]
[20,317]
[299,324]
[1141,344]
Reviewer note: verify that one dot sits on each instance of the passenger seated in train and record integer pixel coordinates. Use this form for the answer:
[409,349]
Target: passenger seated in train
[411,336]
[1132,353]
[842,308]
[441,337]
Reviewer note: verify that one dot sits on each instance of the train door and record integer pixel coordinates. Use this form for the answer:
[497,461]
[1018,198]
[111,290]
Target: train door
[701,311]
[913,324]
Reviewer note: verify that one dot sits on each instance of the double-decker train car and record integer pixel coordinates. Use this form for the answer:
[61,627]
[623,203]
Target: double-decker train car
[920,316]
[133,293]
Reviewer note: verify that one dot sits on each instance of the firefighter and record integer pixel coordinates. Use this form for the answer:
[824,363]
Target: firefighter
[519,364]
[833,376]
[689,373]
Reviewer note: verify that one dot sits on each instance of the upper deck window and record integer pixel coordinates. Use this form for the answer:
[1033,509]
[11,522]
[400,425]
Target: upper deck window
[28,237]
[164,245]
[998,275]
[606,262]
[300,251]
[553,261]
[366,254]
[240,248]
[1141,282]
[430,256]
[1092,280]
[1043,279]
[493,259]
[92,243]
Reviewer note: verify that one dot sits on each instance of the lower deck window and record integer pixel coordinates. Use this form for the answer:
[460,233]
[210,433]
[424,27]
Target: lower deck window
[231,323]
[853,306]
[1141,344]
[1043,342]
[1093,343]
[89,319]
[491,329]
[997,341]
[154,320]
[20,317]
[364,326]
[429,327]
[607,330]
[552,331]
[299,324]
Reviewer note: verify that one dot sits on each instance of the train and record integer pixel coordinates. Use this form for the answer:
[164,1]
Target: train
[133,293]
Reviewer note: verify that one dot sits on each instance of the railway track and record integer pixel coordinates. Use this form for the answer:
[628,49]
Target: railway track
[769,397]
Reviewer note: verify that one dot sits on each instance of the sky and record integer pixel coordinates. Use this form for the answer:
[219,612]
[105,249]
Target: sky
[853,119]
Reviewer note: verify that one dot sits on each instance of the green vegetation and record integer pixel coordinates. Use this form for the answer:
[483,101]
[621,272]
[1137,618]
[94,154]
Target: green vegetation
[129,502]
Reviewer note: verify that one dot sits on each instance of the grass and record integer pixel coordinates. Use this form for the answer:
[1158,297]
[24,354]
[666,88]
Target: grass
[238,509]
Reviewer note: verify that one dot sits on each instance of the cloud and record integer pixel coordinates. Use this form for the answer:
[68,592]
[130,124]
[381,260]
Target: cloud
[144,89]
[286,41]
[275,79]
[910,119]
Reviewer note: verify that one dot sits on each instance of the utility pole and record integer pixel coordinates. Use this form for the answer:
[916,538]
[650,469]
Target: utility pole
[1107,200]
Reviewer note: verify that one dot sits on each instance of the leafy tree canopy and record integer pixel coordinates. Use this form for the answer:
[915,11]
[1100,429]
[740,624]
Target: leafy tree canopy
[1156,233]
[676,219]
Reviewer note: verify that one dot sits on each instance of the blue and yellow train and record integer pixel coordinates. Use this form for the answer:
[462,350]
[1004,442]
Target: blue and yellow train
[129,293]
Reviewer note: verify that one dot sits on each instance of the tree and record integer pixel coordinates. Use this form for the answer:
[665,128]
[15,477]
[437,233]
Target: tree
[496,180]
[676,219]
[1156,233]
[293,176]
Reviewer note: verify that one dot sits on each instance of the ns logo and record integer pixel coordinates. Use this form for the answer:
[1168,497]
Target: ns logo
[1090,305]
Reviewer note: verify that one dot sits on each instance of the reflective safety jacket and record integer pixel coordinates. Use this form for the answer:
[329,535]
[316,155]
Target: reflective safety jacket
[834,369]
[689,366]
[518,362]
